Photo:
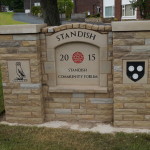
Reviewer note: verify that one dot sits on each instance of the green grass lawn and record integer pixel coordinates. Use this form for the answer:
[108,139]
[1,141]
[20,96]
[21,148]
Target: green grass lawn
[33,138]
[1,96]
[6,18]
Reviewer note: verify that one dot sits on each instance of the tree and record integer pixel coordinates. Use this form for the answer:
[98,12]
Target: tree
[50,12]
[144,7]
[65,6]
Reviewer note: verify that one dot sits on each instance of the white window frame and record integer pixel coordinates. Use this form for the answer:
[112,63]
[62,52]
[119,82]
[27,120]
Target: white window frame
[124,3]
[37,4]
[113,12]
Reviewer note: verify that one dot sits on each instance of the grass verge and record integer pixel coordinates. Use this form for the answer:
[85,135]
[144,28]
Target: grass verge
[6,18]
[33,138]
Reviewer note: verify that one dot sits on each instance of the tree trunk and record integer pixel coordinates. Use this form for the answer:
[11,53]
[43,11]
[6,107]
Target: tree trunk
[50,12]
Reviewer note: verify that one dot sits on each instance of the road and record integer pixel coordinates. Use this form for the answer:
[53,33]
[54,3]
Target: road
[37,20]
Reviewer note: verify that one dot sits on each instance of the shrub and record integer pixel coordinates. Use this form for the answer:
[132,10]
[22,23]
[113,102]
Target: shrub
[36,10]
[18,10]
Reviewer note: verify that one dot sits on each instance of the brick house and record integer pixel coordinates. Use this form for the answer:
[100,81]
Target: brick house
[91,6]
[28,4]
[120,9]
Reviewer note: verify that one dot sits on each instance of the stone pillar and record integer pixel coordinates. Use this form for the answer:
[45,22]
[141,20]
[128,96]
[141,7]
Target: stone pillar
[131,78]
[21,73]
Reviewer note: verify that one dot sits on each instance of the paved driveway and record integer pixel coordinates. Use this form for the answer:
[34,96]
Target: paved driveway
[27,18]
[36,20]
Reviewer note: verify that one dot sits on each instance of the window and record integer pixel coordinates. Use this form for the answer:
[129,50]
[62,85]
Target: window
[36,4]
[127,10]
[98,9]
[109,11]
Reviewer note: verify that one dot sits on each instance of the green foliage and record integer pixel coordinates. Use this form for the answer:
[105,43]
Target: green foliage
[144,7]
[94,16]
[33,138]
[36,10]
[65,6]
[13,4]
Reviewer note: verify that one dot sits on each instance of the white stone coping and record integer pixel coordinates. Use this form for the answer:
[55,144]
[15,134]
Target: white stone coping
[19,29]
[81,89]
[131,26]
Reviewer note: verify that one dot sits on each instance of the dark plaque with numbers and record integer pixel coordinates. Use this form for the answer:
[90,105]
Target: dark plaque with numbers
[135,70]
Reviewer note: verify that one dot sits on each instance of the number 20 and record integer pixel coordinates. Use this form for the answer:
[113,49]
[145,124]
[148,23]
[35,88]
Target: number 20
[64,57]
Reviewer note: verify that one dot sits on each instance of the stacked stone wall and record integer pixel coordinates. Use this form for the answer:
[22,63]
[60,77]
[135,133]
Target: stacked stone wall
[131,100]
[79,106]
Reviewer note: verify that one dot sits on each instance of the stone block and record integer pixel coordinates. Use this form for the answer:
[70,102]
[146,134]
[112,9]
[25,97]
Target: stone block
[76,25]
[125,111]
[20,29]
[57,29]
[79,111]
[10,97]
[65,117]
[123,123]
[123,35]
[147,41]
[61,100]
[130,26]
[148,105]
[78,95]
[133,117]
[145,124]
[103,118]
[35,97]
[118,105]
[23,50]
[144,111]
[103,80]
[49,29]
[22,97]
[31,86]
[9,44]
[105,67]
[121,49]
[128,42]
[107,28]
[140,49]
[101,28]
[89,26]
[100,100]
[71,106]
[56,105]
[62,111]
[69,26]
[118,81]
[26,37]
[95,27]
[13,108]
[118,117]
[145,35]
[82,25]
[6,37]
[105,106]
[31,109]
[7,91]
[134,105]
[78,100]
[49,67]
[147,117]
[63,27]
[85,117]
[29,43]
